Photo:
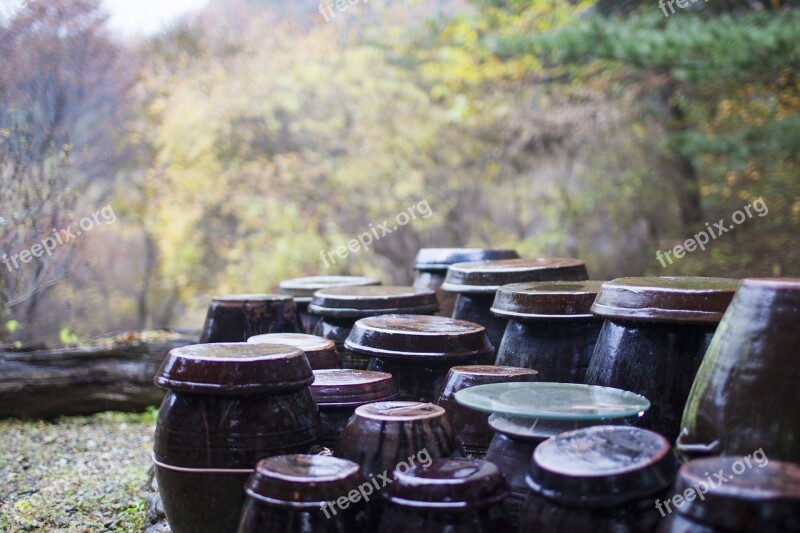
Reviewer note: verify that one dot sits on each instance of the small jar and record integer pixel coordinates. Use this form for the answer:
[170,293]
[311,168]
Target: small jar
[550,327]
[446,496]
[341,307]
[321,353]
[237,317]
[418,350]
[472,427]
[655,334]
[759,495]
[302,289]
[602,478]
[227,407]
[301,494]
[476,283]
[745,394]
[431,265]
[339,392]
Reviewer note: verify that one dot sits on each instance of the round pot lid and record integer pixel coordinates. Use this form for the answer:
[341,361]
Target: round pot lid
[346,387]
[546,299]
[302,289]
[359,302]
[441,258]
[487,276]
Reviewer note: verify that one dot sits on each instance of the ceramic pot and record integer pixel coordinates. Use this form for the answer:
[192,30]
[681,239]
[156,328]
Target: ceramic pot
[321,353]
[237,317]
[302,289]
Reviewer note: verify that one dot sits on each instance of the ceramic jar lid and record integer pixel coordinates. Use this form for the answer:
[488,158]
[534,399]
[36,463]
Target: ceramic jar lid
[234,368]
[418,337]
[546,299]
[302,480]
[441,258]
[346,387]
[601,466]
[487,276]
[321,352]
[399,411]
[765,494]
[490,374]
[359,302]
[448,485]
[302,289]
[666,299]
[237,300]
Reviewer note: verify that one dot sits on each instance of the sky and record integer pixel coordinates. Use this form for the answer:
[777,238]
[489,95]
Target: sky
[144,17]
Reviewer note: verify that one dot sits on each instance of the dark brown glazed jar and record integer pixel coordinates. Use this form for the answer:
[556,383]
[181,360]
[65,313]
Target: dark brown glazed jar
[341,307]
[745,394]
[446,496]
[237,317]
[477,282]
[321,353]
[759,495]
[550,327]
[227,406]
[339,392]
[431,265]
[600,479]
[655,334]
[300,494]
[471,426]
[418,350]
[303,289]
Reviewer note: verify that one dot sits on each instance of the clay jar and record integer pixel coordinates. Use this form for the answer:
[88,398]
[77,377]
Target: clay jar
[760,495]
[431,265]
[550,327]
[341,307]
[745,394]
[339,392]
[237,317]
[603,479]
[418,350]
[298,494]
[321,353]
[477,282]
[302,289]
[472,427]
[447,496]
[227,406]
[655,334]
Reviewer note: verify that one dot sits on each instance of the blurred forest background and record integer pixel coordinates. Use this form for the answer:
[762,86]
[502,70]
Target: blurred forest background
[241,142]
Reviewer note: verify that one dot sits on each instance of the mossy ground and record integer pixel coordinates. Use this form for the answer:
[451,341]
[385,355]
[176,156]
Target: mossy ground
[76,473]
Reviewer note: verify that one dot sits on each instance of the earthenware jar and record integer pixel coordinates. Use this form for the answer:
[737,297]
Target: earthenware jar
[431,266]
[321,353]
[471,426]
[655,334]
[302,289]
[745,394]
[602,478]
[477,282]
[759,494]
[227,406]
[341,307]
[339,392]
[305,494]
[550,327]
[418,350]
[447,496]
[237,317]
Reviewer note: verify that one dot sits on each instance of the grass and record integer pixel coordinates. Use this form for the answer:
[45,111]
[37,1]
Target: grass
[76,474]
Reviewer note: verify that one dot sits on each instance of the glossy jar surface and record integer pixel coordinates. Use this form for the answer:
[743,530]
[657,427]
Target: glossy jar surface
[302,289]
[321,353]
[237,317]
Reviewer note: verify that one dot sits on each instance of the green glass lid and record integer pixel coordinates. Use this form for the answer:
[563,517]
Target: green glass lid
[553,401]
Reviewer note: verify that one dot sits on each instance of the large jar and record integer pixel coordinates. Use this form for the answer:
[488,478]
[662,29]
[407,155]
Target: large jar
[227,407]
[550,327]
[237,317]
[446,496]
[603,479]
[321,353]
[302,289]
[418,350]
[431,265]
[476,283]
[745,395]
[655,334]
[339,392]
[341,307]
